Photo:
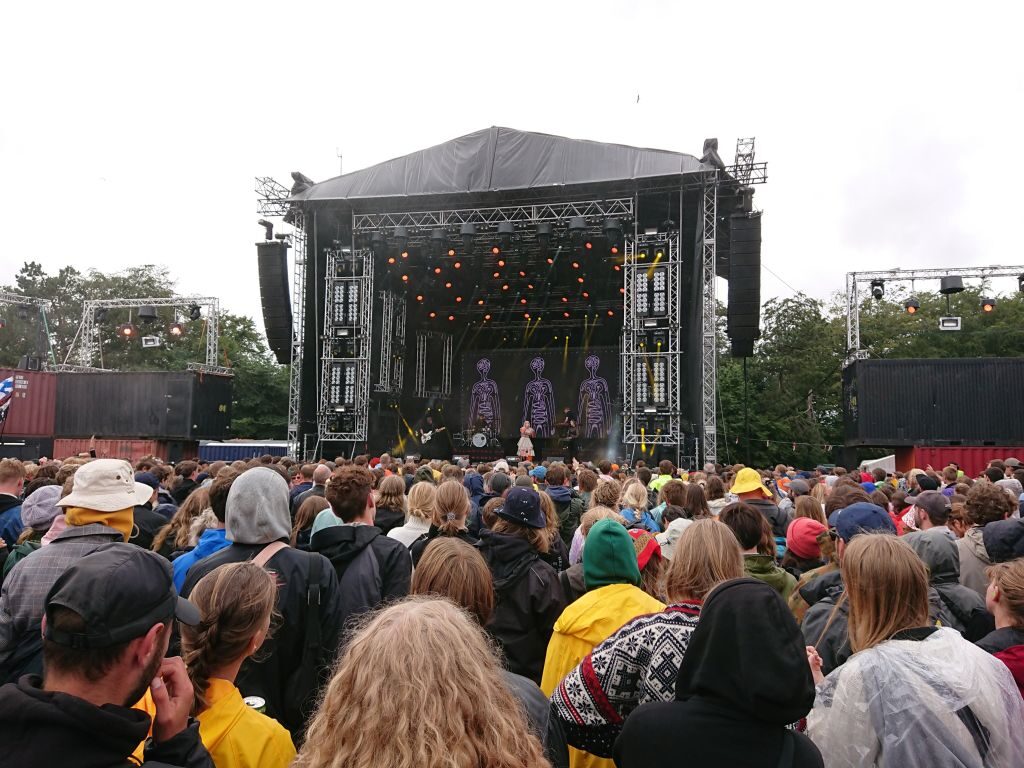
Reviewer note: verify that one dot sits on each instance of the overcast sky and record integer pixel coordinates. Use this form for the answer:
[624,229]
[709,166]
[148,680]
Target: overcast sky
[131,132]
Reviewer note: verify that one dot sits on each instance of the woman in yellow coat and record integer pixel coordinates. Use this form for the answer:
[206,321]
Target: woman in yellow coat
[613,597]
[236,602]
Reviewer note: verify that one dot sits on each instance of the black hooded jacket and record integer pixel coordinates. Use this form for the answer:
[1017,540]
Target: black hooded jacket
[372,569]
[42,728]
[743,679]
[778,518]
[528,601]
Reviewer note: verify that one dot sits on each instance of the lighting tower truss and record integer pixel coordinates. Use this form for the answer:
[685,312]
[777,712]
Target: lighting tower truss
[652,342]
[853,296]
[427,342]
[42,306]
[392,343]
[86,341]
[709,349]
[344,411]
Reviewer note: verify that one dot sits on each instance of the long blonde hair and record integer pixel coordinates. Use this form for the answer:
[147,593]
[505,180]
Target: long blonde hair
[421,501]
[181,524]
[452,712]
[391,493]
[887,585]
[451,507]
[706,554]
[634,496]
[808,506]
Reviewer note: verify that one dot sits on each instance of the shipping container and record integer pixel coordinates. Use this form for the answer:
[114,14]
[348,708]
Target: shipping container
[956,402]
[183,405]
[971,459]
[243,450]
[26,448]
[33,403]
[130,450]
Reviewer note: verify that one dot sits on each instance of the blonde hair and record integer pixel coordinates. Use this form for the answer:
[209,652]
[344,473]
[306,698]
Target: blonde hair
[181,524]
[455,711]
[706,554]
[391,493]
[634,496]
[1009,577]
[451,507]
[594,514]
[808,506]
[820,491]
[235,602]
[606,494]
[421,501]
[887,586]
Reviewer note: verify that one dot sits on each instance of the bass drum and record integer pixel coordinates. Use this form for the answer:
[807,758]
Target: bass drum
[479,440]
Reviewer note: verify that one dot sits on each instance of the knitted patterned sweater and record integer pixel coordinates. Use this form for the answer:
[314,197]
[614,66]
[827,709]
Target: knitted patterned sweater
[639,663]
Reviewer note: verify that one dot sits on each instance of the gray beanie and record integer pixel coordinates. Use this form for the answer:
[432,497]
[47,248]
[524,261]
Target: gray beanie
[257,508]
[39,509]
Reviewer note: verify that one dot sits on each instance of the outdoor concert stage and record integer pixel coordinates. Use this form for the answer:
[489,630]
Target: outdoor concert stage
[505,276]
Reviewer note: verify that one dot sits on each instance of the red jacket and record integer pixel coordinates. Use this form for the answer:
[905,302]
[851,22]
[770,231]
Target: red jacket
[1013,657]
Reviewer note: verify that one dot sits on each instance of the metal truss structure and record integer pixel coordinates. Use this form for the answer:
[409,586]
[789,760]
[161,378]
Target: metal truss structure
[272,197]
[743,170]
[856,279]
[392,344]
[427,220]
[298,325]
[348,323]
[42,306]
[652,342]
[425,340]
[709,347]
[86,341]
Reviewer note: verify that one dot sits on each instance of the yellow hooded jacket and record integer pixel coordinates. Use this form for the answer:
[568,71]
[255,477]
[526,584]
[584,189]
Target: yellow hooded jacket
[237,736]
[582,626]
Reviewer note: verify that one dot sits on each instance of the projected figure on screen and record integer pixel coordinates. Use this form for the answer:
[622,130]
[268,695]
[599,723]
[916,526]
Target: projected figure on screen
[595,401]
[539,401]
[484,401]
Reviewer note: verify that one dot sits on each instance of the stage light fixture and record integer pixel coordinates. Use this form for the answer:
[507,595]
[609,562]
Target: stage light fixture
[522,301]
[402,241]
[127,331]
[433,314]
[447,285]
[544,231]
[405,278]
[501,262]
[480,302]
[487,317]
[948,285]
[504,287]
[577,226]
[419,297]
[451,317]
[521,273]
[391,259]
[586,295]
[378,243]
[458,299]
[437,270]
[147,313]
[194,312]
[496,251]
[506,231]
[468,233]
[575,265]
[457,264]
[438,237]
[99,315]
[613,233]
[611,313]
[526,315]
[496,275]
[912,305]
[987,304]
[451,253]
[565,299]
[176,330]
[878,289]
[579,280]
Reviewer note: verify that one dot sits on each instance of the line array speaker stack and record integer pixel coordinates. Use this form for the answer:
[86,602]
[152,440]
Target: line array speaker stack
[277,305]
[743,323]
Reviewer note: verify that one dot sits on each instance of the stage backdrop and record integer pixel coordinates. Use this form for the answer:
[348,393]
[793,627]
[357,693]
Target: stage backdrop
[504,388]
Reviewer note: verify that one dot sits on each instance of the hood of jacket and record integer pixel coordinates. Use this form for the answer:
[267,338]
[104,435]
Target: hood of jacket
[257,508]
[508,557]
[1004,539]
[827,585]
[601,611]
[939,553]
[51,727]
[609,556]
[763,567]
[474,484]
[342,543]
[212,540]
[560,494]
[8,502]
[748,653]
[974,542]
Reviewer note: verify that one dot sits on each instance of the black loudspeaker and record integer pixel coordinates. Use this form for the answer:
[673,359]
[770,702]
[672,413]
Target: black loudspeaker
[277,305]
[744,314]
[30,363]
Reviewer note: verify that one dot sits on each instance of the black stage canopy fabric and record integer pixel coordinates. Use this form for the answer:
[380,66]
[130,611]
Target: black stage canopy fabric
[499,159]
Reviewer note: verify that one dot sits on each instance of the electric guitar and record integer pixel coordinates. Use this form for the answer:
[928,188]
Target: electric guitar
[426,436]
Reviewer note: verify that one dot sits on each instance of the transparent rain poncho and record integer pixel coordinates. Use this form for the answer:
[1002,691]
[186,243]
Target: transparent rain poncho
[940,701]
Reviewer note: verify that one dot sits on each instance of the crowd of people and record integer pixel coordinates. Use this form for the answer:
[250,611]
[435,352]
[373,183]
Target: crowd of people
[381,612]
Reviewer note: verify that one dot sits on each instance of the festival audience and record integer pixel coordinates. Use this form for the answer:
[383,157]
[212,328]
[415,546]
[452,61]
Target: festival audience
[420,514]
[986,503]
[1005,599]
[12,483]
[451,510]
[754,534]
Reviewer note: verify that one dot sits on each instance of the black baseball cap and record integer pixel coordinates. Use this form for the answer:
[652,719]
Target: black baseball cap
[522,506]
[120,591]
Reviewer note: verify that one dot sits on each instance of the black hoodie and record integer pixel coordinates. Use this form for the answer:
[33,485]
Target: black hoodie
[371,568]
[528,601]
[43,728]
[743,679]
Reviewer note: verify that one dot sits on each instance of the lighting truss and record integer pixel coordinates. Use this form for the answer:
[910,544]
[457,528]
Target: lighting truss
[298,325]
[429,220]
[86,343]
[42,306]
[853,297]
[426,340]
[272,197]
[345,373]
[391,369]
[709,349]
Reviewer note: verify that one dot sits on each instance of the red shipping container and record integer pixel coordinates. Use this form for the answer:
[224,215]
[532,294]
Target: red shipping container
[972,459]
[132,450]
[33,405]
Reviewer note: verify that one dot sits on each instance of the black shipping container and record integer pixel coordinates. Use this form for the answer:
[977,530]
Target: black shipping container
[976,401]
[182,405]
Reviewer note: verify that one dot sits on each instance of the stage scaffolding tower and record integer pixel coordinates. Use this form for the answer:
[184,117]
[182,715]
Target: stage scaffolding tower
[390,374]
[298,324]
[709,351]
[348,323]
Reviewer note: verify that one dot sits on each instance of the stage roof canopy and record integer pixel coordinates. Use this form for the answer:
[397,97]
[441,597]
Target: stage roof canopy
[503,159]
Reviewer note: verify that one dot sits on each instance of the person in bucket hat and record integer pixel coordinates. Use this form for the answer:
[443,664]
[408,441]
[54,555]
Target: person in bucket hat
[99,510]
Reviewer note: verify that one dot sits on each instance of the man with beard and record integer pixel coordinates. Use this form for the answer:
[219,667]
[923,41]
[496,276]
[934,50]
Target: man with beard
[105,632]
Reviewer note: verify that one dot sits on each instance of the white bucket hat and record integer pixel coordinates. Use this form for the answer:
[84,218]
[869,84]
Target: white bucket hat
[106,485]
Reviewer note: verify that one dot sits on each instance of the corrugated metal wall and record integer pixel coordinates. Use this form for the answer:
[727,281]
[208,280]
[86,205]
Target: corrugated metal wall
[132,450]
[32,409]
[974,401]
[971,459]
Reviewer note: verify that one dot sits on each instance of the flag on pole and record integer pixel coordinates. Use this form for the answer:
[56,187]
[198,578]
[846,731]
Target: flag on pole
[6,395]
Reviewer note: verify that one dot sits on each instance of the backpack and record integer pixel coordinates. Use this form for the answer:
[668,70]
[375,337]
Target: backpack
[18,554]
[569,518]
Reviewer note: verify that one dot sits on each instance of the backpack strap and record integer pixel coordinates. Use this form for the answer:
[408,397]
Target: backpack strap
[264,555]
[313,607]
[788,747]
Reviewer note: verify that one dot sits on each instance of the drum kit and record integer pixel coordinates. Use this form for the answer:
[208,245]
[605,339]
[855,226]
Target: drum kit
[478,438]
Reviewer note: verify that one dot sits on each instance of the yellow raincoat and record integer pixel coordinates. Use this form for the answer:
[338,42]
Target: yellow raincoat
[237,736]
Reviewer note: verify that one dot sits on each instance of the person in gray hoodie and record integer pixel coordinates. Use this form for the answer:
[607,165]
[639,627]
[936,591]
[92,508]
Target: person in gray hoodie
[986,503]
[257,517]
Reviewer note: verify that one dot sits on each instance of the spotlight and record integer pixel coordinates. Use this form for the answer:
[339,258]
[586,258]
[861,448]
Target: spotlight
[433,315]
[176,330]
[419,297]
[468,232]
[506,231]
[99,315]
[544,230]
[194,312]
[577,226]
[950,284]
[402,241]
[451,317]
[487,317]
[987,304]
[451,252]
[912,305]
[127,331]
[437,241]
[147,313]
[613,232]
[378,243]
[480,302]
[878,289]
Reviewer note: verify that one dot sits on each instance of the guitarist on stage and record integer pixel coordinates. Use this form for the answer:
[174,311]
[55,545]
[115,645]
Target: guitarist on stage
[433,439]
[568,431]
